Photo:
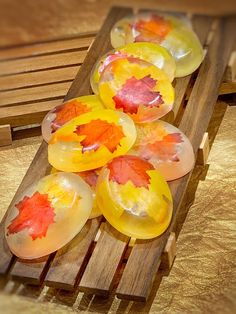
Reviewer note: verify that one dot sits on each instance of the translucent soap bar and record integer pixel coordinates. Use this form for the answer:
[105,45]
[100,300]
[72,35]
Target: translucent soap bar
[69,110]
[134,197]
[166,30]
[91,140]
[165,147]
[47,215]
[137,88]
[150,52]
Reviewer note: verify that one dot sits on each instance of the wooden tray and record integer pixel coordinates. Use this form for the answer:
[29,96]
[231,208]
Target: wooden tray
[34,78]
[94,260]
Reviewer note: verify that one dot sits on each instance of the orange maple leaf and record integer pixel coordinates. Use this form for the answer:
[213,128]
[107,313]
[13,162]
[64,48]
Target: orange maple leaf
[125,168]
[35,214]
[99,132]
[153,30]
[67,112]
[166,149]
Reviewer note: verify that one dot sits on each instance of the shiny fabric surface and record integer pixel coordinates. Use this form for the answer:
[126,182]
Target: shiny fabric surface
[203,277]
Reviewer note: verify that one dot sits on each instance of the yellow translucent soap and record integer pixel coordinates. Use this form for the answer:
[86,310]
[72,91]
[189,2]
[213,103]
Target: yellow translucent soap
[137,88]
[90,177]
[134,197]
[166,147]
[47,215]
[166,30]
[150,52]
[91,140]
[69,110]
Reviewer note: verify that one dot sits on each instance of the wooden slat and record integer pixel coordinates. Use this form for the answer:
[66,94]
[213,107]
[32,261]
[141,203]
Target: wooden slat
[202,26]
[5,135]
[32,50]
[101,269]
[33,94]
[227,88]
[38,78]
[42,62]
[70,261]
[30,272]
[136,282]
[80,87]
[27,114]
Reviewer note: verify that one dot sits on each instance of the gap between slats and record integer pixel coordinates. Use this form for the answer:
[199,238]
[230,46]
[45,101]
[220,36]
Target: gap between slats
[45,48]
[33,94]
[33,79]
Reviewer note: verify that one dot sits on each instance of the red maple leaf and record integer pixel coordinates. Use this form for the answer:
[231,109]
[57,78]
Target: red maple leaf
[137,92]
[35,214]
[125,168]
[90,177]
[153,30]
[67,112]
[166,149]
[99,132]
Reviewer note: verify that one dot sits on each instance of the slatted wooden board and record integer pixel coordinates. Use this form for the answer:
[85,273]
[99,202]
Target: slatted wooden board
[36,77]
[95,266]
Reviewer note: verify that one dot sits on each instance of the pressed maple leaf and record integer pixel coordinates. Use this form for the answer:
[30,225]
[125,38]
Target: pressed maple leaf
[135,93]
[67,112]
[89,177]
[165,149]
[153,30]
[125,168]
[35,215]
[100,132]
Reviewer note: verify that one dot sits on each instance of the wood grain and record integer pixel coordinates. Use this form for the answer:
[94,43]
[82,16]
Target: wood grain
[54,46]
[33,94]
[31,79]
[136,282]
[30,272]
[42,62]
[5,135]
[99,274]
[69,262]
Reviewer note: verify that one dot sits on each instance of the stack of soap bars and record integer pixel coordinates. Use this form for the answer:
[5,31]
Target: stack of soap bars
[111,154]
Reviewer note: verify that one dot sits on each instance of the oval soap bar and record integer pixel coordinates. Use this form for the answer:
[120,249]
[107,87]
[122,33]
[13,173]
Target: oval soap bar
[166,30]
[166,147]
[150,52]
[134,197]
[91,140]
[47,215]
[137,88]
[69,110]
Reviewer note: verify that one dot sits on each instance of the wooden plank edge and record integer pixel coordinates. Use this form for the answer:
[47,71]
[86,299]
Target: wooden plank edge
[203,150]
[5,135]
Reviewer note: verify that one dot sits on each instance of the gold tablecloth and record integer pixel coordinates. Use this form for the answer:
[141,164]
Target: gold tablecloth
[203,277]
